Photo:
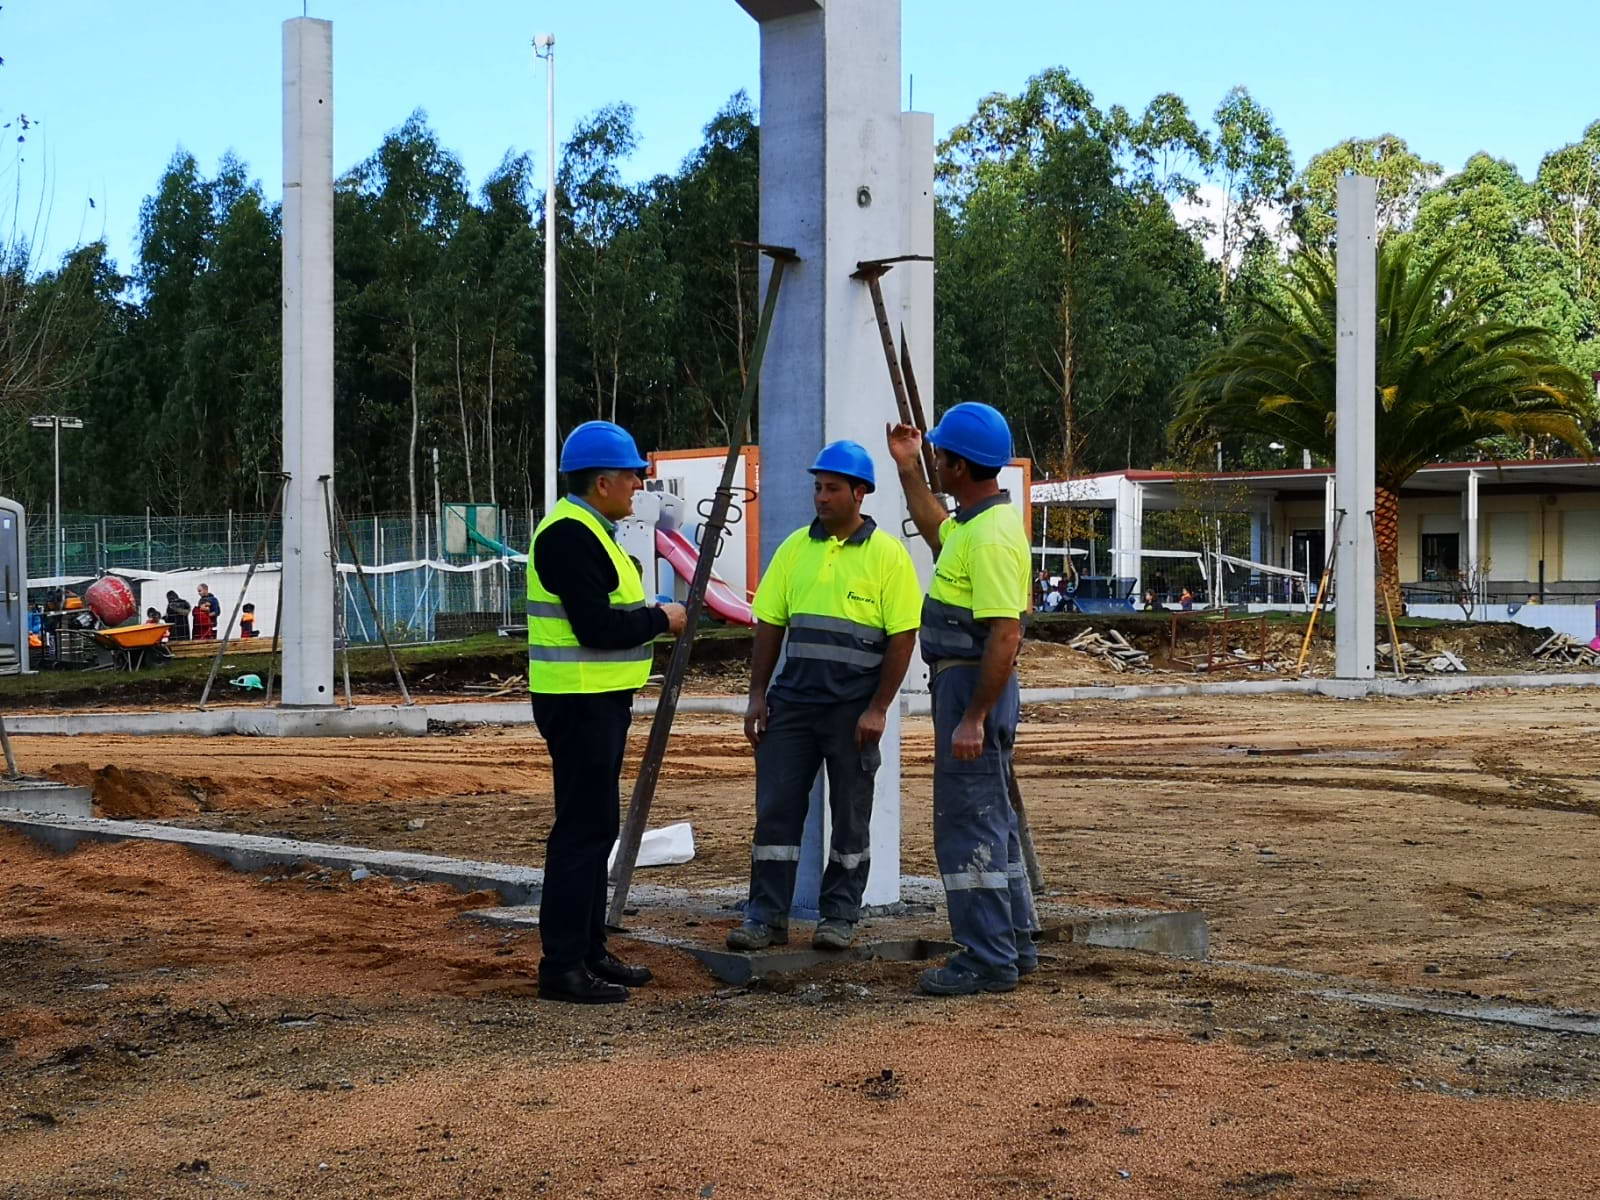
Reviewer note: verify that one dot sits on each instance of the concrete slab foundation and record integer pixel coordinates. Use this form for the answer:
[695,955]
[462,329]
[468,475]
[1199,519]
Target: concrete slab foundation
[247,852]
[45,796]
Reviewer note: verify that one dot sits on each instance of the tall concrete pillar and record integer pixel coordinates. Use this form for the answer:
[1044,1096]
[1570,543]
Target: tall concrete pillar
[835,186]
[307,616]
[1355,617]
[1127,535]
[1468,559]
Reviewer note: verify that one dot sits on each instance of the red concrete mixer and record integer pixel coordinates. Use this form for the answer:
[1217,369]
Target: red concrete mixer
[111,600]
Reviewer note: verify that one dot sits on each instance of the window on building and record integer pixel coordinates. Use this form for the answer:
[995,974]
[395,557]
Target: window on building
[1441,556]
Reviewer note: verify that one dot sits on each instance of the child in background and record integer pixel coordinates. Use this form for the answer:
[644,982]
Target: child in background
[247,621]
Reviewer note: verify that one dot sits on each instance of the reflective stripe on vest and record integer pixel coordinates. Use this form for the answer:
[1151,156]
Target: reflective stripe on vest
[835,639]
[949,631]
[557,661]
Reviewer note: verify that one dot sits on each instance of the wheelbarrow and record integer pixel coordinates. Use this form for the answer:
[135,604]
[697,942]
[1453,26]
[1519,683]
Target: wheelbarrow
[129,644]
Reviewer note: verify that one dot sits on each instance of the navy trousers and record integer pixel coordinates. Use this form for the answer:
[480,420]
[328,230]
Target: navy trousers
[975,832]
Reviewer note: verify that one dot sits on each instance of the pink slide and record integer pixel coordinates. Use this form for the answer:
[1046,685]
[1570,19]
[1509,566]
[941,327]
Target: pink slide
[722,599]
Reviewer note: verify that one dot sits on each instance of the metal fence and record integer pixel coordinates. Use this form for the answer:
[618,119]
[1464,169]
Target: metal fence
[412,604]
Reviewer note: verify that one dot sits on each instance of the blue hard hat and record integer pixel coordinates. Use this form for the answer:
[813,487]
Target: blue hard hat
[976,432]
[847,458]
[600,444]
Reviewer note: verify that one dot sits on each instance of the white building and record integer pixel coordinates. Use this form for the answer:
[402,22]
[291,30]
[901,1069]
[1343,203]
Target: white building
[1515,530]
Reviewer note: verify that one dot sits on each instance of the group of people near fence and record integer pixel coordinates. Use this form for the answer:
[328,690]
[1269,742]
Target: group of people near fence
[198,622]
[841,606]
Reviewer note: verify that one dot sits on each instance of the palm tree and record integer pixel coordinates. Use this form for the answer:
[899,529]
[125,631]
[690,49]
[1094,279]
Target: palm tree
[1449,377]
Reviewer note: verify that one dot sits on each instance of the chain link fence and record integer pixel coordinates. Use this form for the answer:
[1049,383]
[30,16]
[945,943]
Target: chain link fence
[414,590]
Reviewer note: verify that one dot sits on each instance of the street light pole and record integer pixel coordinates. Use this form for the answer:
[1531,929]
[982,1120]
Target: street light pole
[57,423]
[544,46]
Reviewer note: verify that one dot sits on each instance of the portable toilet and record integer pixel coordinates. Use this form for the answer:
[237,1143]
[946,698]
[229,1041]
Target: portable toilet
[13,588]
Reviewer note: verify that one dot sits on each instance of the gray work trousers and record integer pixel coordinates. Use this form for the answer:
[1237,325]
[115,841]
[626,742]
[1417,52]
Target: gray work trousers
[975,832]
[800,739]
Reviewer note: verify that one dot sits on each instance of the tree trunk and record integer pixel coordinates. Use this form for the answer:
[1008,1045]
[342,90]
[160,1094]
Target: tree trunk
[488,414]
[411,458]
[1386,518]
[466,435]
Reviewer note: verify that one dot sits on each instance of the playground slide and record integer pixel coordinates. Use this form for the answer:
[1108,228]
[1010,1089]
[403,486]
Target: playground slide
[728,604]
[499,548]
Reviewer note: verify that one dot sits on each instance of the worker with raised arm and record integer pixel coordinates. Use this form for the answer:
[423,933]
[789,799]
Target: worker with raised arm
[970,634]
[841,597]
[589,651]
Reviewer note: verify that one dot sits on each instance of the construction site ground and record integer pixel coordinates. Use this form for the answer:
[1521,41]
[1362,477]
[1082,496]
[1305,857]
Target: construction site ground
[170,1027]
[490,666]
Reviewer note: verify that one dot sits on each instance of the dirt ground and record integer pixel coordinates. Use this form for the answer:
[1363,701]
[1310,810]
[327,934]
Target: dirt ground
[171,1027]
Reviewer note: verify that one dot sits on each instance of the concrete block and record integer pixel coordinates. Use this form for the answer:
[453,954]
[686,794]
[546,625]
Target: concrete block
[1182,934]
[45,796]
[248,852]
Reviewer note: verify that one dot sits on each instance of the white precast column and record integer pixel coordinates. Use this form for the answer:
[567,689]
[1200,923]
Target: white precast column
[307,618]
[1355,619]
[1469,521]
[1127,534]
[915,282]
[832,187]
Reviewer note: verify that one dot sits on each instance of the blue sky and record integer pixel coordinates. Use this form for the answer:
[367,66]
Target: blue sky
[117,85]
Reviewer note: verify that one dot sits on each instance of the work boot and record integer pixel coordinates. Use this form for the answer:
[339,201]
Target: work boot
[757,935]
[833,934]
[951,980]
[579,986]
[609,968]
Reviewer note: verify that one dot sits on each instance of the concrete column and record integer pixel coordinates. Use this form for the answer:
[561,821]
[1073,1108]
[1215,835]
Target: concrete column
[833,186]
[307,616]
[915,284]
[1469,523]
[1355,650]
[1127,534]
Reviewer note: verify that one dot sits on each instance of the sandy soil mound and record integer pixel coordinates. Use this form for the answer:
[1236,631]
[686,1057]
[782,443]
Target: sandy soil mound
[135,794]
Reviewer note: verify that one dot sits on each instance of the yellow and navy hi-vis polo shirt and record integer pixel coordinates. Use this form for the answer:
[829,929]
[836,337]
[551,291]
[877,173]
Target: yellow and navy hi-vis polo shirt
[840,601]
[983,571]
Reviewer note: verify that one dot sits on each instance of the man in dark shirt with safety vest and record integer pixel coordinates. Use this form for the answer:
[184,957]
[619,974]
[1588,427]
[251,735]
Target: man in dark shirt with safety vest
[589,651]
[847,596]
[971,632]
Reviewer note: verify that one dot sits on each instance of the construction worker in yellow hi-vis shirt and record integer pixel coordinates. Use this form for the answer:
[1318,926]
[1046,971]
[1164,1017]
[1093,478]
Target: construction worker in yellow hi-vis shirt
[970,633]
[841,598]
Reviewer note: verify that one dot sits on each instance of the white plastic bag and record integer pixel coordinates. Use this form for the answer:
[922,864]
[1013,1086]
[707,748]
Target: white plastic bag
[664,847]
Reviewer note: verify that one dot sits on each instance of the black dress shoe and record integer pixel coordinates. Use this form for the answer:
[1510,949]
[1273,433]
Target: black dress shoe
[579,986]
[614,971]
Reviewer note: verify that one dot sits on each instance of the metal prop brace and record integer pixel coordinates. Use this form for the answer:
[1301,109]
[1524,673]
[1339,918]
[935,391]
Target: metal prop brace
[907,399]
[644,787]
[238,605]
[1322,595]
[5,746]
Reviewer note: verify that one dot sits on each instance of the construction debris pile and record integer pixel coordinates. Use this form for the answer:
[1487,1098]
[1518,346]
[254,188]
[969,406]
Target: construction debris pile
[1440,662]
[1113,649]
[1562,649]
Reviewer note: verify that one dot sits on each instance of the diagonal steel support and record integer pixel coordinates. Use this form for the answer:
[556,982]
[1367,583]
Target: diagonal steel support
[907,399]
[644,787]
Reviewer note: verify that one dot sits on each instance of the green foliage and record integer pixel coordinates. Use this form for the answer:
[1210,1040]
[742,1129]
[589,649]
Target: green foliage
[1402,178]
[1449,374]
[1068,294]
[1088,259]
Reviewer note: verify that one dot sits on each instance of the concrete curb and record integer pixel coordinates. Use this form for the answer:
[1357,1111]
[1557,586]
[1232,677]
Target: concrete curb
[369,721]
[247,852]
[1342,689]
[393,720]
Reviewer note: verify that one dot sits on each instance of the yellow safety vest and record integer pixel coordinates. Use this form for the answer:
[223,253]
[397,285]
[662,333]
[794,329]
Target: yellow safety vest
[557,663]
